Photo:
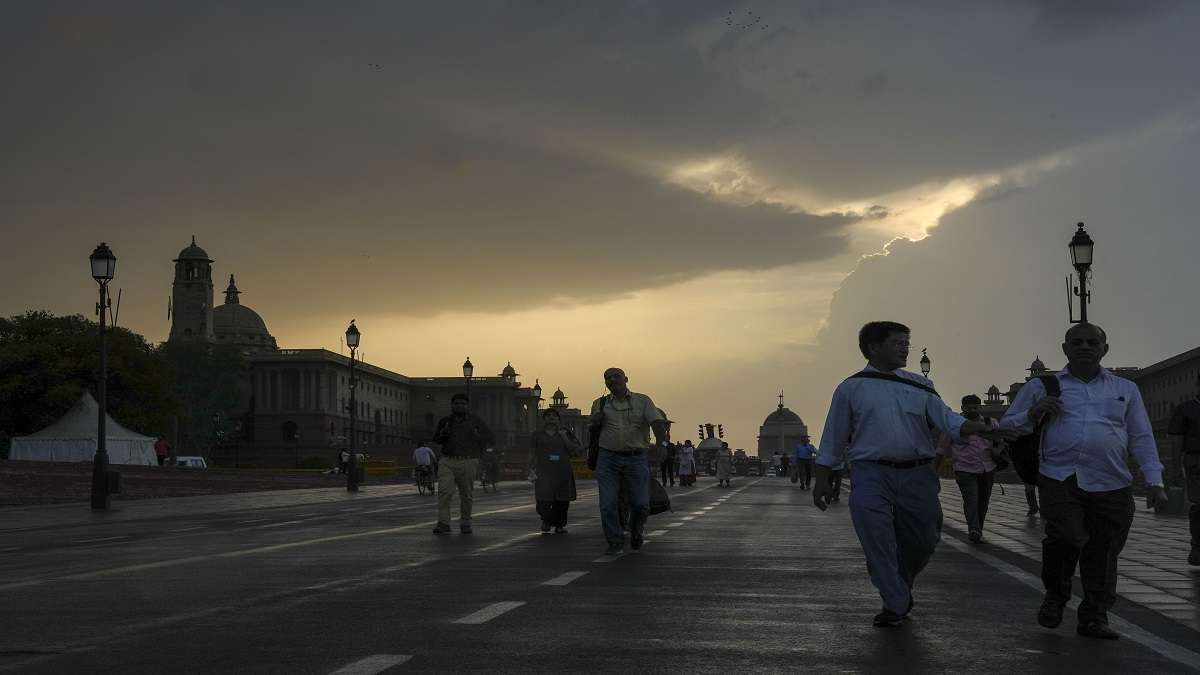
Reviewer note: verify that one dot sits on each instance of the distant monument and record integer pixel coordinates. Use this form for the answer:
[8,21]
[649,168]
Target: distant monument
[781,431]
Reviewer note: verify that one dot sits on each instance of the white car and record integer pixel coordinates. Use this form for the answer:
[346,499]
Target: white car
[191,462]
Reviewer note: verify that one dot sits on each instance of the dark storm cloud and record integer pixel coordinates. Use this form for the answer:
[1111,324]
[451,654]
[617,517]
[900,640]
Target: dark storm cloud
[1068,17]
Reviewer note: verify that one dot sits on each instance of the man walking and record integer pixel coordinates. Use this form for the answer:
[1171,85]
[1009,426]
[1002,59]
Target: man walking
[974,469]
[623,419]
[667,469]
[879,421]
[1185,427]
[1084,482]
[805,452]
[463,437]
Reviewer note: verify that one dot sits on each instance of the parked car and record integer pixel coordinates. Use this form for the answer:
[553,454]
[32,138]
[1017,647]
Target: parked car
[191,462]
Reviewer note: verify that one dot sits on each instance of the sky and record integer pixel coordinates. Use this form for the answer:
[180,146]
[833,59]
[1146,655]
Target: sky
[713,196]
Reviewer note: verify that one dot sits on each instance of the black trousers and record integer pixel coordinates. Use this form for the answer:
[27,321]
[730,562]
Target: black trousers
[1087,529]
[804,469]
[554,512]
[976,489]
[1191,468]
[667,469]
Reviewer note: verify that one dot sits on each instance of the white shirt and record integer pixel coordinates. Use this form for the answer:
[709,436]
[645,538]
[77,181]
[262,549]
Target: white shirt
[423,456]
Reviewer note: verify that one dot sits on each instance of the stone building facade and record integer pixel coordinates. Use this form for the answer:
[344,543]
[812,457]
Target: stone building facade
[780,431]
[1164,385]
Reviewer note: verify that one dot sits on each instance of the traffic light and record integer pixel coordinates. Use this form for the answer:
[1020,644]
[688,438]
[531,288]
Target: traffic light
[721,431]
[701,428]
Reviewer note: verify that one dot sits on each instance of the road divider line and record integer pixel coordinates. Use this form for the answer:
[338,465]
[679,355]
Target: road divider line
[256,550]
[490,612]
[563,579]
[688,518]
[254,520]
[286,522]
[98,539]
[608,558]
[697,513]
[707,508]
[657,533]
[187,529]
[674,524]
[372,664]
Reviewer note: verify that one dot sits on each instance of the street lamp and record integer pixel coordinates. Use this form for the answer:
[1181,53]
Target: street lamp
[468,370]
[352,338]
[925,363]
[104,266]
[1081,258]
[537,393]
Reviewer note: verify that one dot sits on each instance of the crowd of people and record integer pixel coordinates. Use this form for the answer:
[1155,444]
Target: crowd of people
[889,431]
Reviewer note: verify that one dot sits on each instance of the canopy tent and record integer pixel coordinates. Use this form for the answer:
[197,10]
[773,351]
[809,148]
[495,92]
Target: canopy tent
[73,439]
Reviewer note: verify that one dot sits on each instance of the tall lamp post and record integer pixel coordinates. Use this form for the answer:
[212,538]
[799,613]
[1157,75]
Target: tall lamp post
[1081,258]
[468,370]
[925,363]
[537,393]
[104,266]
[352,338]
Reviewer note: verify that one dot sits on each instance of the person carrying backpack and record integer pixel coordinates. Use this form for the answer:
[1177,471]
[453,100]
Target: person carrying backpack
[1087,434]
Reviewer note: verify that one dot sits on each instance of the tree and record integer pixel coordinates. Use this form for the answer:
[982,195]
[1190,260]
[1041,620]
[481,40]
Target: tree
[47,362]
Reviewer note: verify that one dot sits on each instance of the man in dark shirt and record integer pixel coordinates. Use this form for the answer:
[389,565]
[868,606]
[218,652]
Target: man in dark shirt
[1185,427]
[463,437]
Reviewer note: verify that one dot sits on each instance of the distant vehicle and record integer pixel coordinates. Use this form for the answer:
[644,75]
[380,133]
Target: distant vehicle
[191,462]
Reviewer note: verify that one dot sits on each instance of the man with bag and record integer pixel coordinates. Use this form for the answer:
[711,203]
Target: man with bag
[463,437]
[879,422]
[1185,427]
[621,423]
[1088,433]
[974,468]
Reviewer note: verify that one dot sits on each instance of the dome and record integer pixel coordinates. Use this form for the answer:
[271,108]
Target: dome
[1037,364]
[993,389]
[509,371]
[193,252]
[238,319]
[782,415]
[558,393]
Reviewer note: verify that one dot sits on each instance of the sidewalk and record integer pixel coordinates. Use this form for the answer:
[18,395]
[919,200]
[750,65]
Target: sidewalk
[1153,570]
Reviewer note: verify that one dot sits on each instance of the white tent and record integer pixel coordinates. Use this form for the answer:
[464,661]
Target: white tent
[73,439]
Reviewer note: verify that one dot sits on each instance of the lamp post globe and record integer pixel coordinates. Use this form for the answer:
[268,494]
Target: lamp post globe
[103,266]
[468,371]
[925,363]
[1082,247]
[537,390]
[353,339]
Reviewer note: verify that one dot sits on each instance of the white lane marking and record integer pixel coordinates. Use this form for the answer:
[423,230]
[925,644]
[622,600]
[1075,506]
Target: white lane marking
[563,579]
[253,520]
[187,529]
[707,508]
[657,533]
[286,522]
[608,558]
[697,513]
[10,550]
[674,524]
[688,518]
[349,510]
[490,612]
[92,541]
[1130,630]
[506,542]
[175,562]
[372,664]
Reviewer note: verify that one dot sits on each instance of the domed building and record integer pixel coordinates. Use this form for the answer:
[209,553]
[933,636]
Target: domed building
[780,431]
[238,325]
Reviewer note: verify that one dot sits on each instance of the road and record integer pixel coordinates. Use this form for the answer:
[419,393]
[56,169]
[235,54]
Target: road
[746,579]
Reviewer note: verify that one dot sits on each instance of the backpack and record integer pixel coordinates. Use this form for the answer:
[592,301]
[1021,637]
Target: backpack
[659,499]
[1026,450]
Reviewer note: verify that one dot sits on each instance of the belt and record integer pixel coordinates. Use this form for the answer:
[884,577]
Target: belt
[625,453]
[906,464]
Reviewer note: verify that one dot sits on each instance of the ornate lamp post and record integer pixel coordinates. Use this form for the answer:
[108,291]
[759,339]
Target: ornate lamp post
[1081,258]
[925,363]
[104,266]
[537,393]
[352,338]
[468,370]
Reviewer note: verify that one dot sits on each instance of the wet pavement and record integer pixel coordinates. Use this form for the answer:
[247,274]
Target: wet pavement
[747,579]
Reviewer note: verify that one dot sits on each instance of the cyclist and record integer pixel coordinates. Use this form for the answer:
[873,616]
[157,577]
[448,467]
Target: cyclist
[425,463]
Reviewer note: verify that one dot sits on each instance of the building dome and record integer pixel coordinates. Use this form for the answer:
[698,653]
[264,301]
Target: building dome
[993,390]
[782,415]
[1037,364]
[193,252]
[238,325]
[558,393]
[508,371]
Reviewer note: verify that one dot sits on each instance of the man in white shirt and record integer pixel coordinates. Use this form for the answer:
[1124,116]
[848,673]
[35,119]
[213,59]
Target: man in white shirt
[424,455]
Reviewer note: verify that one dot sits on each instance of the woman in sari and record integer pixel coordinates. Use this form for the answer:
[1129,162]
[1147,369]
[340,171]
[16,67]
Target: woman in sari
[550,462]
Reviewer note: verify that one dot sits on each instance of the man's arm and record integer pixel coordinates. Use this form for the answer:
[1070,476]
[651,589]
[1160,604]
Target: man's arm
[836,434]
[1141,438]
[661,435]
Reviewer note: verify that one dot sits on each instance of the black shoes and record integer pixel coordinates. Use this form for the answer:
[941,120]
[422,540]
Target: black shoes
[1050,614]
[635,542]
[441,528]
[545,527]
[1098,630]
[1194,556]
[615,549]
[975,536]
[887,619]
[560,530]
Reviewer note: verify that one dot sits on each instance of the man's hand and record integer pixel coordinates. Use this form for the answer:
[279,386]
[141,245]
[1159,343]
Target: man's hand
[1156,497]
[822,490]
[1049,405]
[983,430]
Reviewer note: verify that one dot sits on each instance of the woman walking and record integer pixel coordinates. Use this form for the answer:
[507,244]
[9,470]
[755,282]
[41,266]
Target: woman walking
[554,482]
[687,466]
[724,465]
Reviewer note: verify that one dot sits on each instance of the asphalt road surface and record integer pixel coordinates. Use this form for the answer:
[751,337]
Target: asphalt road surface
[744,579]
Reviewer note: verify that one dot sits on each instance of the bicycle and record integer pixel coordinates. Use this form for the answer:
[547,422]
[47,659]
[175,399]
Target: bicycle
[424,478]
[489,474]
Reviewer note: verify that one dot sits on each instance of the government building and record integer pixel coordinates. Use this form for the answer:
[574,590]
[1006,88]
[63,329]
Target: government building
[294,403]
